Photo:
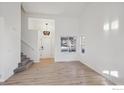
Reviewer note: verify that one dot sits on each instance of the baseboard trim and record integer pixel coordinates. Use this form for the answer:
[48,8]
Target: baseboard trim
[68,61]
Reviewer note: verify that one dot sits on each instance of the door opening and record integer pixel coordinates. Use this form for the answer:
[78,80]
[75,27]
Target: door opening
[47,35]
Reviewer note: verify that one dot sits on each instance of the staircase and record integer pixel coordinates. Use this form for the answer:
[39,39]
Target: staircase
[24,64]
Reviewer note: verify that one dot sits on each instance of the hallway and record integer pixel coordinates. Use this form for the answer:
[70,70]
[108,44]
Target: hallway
[64,73]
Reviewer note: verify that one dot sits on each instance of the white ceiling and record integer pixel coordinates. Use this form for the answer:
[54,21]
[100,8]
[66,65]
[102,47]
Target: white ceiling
[54,8]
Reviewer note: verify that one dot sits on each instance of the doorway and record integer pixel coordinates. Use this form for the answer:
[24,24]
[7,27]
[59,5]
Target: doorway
[47,39]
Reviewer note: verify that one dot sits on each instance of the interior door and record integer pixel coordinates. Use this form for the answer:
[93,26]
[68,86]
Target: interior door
[46,47]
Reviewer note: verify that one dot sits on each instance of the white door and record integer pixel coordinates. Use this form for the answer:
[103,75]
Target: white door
[46,47]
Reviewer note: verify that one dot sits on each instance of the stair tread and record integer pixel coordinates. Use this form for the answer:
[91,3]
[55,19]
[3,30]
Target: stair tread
[24,64]
[22,68]
[26,60]
[23,57]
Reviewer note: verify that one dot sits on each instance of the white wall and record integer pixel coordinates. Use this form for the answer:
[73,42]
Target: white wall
[104,49]
[64,26]
[10,38]
[1,41]
[29,40]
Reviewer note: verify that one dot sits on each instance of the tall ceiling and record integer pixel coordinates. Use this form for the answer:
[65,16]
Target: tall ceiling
[54,8]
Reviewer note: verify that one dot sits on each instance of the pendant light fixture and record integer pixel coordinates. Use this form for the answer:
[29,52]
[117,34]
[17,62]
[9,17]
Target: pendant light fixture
[46,32]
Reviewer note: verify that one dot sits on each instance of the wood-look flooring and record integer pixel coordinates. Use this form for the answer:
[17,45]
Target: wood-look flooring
[61,73]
